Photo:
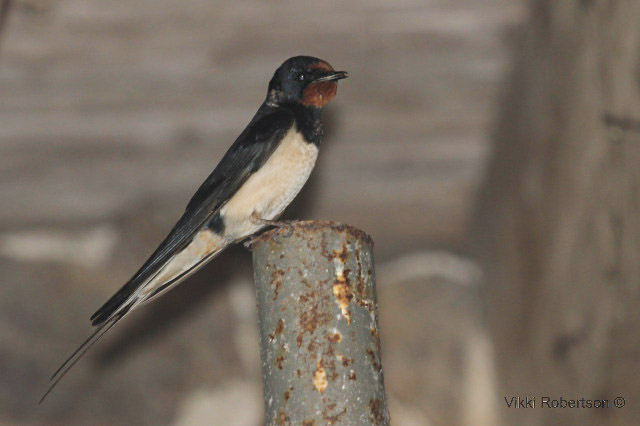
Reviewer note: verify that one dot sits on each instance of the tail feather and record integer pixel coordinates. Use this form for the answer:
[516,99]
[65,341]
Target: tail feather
[130,297]
[81,351]
[127,293]
[111,305]
[181,277]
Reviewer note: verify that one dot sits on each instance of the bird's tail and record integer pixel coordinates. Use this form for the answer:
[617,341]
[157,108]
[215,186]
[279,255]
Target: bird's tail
[142,295]
[68,364]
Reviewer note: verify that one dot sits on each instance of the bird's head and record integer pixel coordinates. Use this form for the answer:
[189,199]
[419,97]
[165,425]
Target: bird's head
[306,80]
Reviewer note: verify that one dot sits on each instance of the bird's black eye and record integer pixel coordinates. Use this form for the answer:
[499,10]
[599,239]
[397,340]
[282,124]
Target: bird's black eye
[299,76]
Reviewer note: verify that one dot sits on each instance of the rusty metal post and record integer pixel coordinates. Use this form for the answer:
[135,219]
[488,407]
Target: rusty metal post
[319,340]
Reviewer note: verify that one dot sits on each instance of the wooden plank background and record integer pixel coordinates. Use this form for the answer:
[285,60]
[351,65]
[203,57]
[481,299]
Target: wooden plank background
[112,113]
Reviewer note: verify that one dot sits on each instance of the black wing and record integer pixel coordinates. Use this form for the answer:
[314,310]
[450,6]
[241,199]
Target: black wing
[250,151]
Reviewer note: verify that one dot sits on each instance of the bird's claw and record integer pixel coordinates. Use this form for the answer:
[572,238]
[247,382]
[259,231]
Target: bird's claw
[248,243]
[288,224]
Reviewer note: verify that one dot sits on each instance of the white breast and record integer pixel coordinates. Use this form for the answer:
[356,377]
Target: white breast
[270,190]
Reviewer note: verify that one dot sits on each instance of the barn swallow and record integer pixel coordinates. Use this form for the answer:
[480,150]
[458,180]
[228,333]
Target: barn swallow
[257,178]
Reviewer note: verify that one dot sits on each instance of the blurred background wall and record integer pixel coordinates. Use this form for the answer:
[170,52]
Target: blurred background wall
[558,223]
[470,141]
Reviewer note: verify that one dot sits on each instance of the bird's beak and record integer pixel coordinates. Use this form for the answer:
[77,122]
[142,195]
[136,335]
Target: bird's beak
[331,76]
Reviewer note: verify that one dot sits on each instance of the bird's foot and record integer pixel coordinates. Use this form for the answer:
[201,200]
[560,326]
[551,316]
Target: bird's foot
[277,223]
[248,243]
[288,224]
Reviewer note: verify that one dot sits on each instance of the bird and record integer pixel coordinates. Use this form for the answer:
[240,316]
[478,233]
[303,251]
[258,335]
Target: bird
[256,179]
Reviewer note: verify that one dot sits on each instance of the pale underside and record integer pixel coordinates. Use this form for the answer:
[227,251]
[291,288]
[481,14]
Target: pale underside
[264,195]
[272,188]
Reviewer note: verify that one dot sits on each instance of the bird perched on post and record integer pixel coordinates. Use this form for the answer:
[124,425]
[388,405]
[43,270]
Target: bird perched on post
[255,181]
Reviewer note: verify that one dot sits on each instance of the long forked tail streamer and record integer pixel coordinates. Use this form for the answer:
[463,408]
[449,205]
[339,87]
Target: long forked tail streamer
[132,302]
[79,353]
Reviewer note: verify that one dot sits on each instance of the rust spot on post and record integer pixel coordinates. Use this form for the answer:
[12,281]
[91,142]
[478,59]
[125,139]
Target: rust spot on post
[345,361]
[343,297]
[280,359]
[374,361]
[334,338]
[279,327]
[310,320]
[282,419]
[320,378]
[312,346]
[341,254]
[333,418]
[278,331]
[276,278]
[377,411]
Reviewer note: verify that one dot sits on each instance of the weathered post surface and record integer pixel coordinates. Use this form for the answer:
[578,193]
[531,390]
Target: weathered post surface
[319,340]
